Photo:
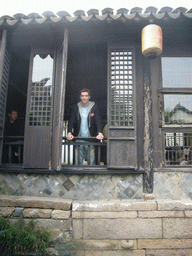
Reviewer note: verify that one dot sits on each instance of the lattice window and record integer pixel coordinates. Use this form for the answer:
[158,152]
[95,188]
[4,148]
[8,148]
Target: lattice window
[41,91]
[121,75]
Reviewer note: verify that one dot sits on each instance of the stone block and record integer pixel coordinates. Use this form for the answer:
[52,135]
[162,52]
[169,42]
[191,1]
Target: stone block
[174,205]
[53,224]
[161,214]
[36,202]
[56,234]
[122,228]
[164,243]
[177,228]
[114,206]
[97,244]
[150,196]
[77,253]
[52,252]
[37,213]
[128,245]
[6,211]
[116,253]
[77,229]
[172,252]
[18,212]
[59,214]
[188,214]
[104,215]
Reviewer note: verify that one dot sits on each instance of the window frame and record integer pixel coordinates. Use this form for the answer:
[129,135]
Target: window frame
[171,128]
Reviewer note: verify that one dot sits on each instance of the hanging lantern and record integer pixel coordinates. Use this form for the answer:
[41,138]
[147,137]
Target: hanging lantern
[152,41]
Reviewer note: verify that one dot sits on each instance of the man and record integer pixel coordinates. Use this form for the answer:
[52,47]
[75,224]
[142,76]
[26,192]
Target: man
[84,122]
[13,129]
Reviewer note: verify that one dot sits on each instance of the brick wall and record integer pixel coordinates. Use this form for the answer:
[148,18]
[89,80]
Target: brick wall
[113,227]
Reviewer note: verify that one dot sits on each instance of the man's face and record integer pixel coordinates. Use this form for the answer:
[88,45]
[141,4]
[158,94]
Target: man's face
[84,97]
[13,116]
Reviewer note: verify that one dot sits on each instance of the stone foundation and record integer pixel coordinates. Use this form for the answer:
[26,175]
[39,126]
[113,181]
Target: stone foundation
[167,185]
[112,227]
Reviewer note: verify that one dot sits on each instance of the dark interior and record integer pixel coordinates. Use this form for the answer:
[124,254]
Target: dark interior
[87,68]
[18,80]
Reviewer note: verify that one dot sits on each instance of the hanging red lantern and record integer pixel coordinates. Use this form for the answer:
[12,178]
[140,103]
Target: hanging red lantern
[152,41]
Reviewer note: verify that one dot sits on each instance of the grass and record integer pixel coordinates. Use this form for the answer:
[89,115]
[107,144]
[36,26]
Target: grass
[22,238]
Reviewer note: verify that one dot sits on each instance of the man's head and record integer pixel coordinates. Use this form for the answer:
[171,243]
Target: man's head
[13,116]
[85,96]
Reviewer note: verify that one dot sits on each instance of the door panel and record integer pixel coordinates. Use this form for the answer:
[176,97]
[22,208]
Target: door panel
[59,103]
[38,124]
[122,150]
[4,76]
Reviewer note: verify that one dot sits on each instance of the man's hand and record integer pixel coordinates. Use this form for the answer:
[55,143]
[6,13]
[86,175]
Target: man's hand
[69,136]
[100,136]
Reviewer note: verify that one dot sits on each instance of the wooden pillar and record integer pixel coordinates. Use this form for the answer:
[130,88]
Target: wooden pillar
[148,129]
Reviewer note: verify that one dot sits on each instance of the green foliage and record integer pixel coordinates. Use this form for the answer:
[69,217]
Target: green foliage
[21,237]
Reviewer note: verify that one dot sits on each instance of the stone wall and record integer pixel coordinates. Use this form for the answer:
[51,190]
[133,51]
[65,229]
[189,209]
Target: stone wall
[167,185]
[110,227]
[80,187]
[173,185]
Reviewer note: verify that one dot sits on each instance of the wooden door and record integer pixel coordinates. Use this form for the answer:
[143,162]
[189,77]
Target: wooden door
[38,123]
[59,102]
[4,76]
[122,146]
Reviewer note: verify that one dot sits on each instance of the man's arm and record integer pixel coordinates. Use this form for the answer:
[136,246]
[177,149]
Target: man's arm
[71,124]
[98,124]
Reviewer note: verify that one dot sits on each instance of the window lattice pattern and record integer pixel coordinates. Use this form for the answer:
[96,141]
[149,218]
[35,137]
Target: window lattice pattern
[41,91]
[178,148]
[121,88]
[40,109]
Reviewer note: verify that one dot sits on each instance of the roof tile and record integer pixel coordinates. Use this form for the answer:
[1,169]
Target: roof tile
[180,9]
[122,10]
[93,12]
[136,10]
[79,13]
[63,14]
[48,14]
[150,14]
[107,11]
[20,16]
[151,9]
[166,9]
[34,16]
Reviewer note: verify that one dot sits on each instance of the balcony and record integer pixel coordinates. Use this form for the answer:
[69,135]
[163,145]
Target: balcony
[97,151]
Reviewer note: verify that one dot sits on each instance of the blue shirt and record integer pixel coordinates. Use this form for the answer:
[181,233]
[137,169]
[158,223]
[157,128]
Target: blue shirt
[84,129]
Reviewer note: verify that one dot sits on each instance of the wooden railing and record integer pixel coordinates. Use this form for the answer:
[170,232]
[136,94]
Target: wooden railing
[72,151]
[13,149]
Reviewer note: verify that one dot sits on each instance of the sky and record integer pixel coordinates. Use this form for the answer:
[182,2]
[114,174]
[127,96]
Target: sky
[11,7]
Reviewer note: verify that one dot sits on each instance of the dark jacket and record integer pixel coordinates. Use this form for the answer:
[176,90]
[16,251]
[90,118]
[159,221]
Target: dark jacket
[93,119]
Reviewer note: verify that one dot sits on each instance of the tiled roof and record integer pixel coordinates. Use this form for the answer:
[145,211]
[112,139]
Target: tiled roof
[150,13]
